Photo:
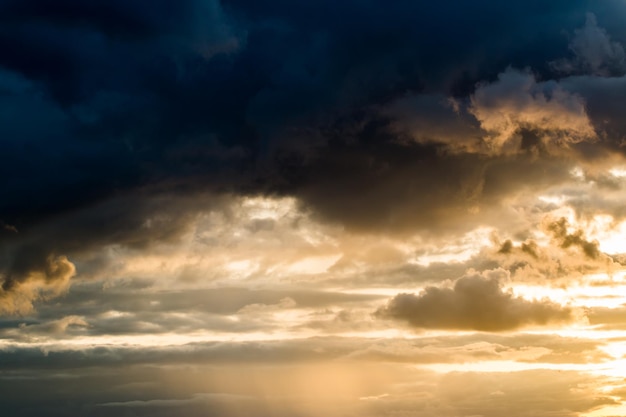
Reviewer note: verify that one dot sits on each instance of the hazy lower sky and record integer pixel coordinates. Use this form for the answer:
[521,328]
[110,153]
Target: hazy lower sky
[246,208]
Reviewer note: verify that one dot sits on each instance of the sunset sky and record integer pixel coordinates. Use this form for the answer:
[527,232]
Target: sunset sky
[312,208]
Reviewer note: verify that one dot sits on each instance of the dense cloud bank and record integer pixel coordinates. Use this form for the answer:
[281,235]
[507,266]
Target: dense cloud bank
[111,107]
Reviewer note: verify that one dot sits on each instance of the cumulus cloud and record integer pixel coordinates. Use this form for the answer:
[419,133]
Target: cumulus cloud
[516,103]
[475,302]
[26,283]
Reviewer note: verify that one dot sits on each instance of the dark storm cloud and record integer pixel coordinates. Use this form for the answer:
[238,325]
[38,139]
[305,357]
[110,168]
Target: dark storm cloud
[594,52]
[106,104]
[410,187]
[474,303]
[128,94]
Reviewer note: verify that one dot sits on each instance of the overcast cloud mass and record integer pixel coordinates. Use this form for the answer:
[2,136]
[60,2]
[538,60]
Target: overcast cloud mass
[312,208]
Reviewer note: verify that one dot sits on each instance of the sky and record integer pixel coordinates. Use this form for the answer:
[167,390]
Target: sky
[312,208]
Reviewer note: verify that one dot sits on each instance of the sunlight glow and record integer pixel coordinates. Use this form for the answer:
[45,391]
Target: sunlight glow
[313,265]
[462,250]
[509,366]
[268,208]
[618,172]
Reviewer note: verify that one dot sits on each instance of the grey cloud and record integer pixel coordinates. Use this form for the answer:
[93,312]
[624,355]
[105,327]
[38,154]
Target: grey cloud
[565,239]
[602,96]
[216,300]
[445,349]
[129,310]
[473,303]
[436,118]
[594,52]
[415,187]
[344,320]
[54,327]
